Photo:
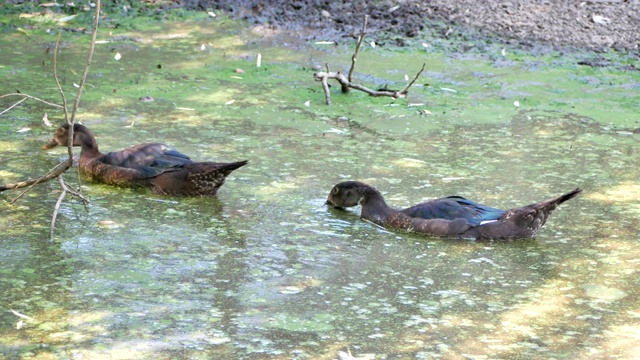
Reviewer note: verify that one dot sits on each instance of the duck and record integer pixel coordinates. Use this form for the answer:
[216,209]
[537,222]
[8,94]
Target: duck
[452,216]
[165,170]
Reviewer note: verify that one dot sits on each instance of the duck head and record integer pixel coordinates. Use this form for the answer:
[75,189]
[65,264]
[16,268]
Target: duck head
[348,194]
[61,136]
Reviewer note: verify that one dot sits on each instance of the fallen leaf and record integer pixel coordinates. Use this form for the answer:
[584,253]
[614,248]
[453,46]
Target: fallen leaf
[22,31]
[598,19]
[449,90]
[45,120]
[118,56]
[21,315]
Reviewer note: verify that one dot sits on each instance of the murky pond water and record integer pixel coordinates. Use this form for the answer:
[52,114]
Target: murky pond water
[265,270]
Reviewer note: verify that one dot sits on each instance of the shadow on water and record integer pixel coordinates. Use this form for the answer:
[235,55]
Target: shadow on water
[265,270]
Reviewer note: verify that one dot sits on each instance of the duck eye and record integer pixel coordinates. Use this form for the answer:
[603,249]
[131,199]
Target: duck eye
[348,193]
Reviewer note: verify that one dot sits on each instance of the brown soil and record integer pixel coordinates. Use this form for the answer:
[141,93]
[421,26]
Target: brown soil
[598,25]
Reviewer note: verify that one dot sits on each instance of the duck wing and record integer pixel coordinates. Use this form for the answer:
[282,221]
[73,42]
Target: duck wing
[454,207]
[147,155]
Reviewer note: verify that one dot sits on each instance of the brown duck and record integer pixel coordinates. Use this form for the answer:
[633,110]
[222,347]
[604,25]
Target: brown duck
[453,216]
[164,170]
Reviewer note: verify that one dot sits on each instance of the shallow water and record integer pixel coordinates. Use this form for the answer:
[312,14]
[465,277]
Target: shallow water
[265,270]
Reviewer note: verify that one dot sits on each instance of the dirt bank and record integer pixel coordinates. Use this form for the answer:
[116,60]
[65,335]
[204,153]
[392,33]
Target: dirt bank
[598,25]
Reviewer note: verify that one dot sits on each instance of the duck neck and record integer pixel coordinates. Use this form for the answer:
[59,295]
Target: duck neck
[89,145]
[374,208]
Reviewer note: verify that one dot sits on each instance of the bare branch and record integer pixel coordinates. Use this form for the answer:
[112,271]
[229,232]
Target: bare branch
[29,97]
[346,82]
[94,34]
[354,57]
[14,105]
[325,87]
[56,209]
[324,76]
[57,170]
[406,88]
[55,77]
[62,167]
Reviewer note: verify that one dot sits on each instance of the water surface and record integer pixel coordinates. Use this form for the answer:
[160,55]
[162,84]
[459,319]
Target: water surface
[265,270]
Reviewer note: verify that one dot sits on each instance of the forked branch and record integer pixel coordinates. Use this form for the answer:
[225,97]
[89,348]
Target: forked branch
[346,82]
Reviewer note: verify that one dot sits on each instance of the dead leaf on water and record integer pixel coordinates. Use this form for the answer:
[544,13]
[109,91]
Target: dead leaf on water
[109,224]
[22,31]
[45,120]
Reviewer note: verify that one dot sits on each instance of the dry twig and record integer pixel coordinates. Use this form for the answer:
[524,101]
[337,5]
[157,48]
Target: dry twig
[25,96]
[56,209]
[66,164]
[354,57]
[346,82]
[60,168]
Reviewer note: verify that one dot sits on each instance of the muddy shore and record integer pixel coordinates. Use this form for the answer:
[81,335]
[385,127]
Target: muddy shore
[599,25]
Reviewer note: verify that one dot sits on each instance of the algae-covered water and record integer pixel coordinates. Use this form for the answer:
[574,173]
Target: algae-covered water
[265,270]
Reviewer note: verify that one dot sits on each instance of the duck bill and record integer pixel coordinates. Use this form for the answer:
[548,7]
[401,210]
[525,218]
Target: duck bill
[330,203]
[51,144]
